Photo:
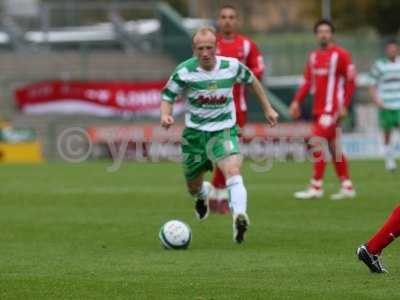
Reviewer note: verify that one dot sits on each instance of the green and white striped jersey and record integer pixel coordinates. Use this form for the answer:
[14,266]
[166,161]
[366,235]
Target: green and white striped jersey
[386,75]
[207,94]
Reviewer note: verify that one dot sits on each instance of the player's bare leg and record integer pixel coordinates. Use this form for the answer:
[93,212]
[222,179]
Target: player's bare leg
[342,171]
[230,166]
[200,190]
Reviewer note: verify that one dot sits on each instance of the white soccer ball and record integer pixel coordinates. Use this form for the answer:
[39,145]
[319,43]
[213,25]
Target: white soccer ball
[175,235]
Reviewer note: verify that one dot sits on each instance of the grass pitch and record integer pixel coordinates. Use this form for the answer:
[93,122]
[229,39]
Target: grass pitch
[81,232]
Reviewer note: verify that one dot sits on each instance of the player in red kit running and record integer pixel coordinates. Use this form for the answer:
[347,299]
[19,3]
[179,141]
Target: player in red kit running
[330,76]
[232,44]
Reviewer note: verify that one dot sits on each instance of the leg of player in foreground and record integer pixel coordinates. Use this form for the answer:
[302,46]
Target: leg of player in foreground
[370,252]
[201,150]
[230,166]
[200,190]
[219,196]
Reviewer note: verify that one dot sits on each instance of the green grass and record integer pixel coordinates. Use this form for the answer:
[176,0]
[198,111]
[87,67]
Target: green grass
[81,232]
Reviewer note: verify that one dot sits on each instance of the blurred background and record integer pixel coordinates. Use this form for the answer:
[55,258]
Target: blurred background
[99,66]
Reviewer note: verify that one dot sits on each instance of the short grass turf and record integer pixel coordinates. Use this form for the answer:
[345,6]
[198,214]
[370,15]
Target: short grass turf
[81,232]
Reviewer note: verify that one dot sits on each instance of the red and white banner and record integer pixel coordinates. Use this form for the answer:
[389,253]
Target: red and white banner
[100,98]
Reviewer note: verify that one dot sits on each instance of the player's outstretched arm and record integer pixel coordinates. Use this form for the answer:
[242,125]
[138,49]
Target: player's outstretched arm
[167,120]
[270,114]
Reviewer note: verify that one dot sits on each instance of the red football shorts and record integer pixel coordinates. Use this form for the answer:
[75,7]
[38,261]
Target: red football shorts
[326,126]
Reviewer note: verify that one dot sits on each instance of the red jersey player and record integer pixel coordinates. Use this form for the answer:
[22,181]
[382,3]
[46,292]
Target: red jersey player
[232,44]
[330,76]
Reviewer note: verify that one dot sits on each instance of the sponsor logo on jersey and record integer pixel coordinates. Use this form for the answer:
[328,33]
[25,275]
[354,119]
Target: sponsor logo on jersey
[212,100]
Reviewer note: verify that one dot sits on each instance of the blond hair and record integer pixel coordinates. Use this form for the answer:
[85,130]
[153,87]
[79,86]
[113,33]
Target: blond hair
[203,31]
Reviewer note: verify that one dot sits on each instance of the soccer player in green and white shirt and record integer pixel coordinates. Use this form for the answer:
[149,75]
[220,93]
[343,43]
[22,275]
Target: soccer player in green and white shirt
[385,92]
[210,136]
